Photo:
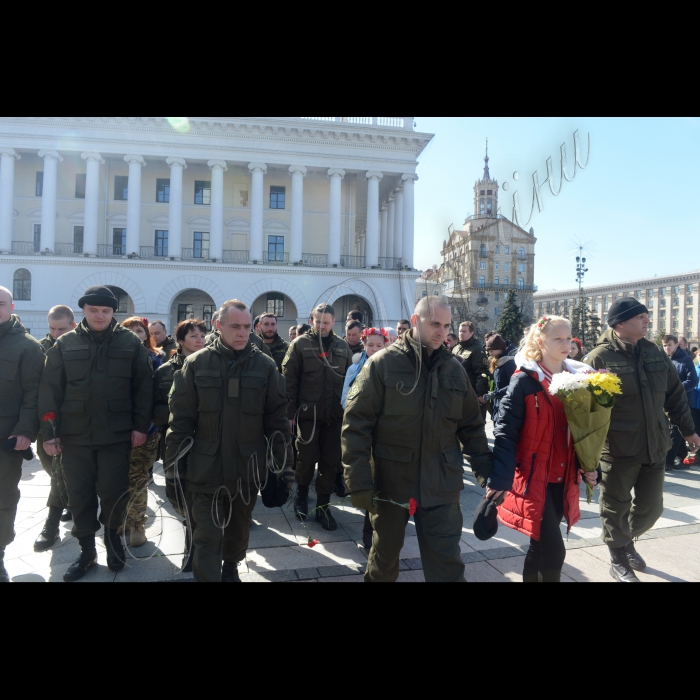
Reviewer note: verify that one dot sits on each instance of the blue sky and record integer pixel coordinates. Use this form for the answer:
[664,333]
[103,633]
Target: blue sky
[634,203]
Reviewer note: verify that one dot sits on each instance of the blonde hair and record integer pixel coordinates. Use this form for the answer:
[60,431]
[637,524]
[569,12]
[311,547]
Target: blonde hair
[529,347]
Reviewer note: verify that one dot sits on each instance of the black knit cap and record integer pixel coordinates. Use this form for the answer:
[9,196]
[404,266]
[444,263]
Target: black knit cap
[485,523]
[495,342]
[99,296]
[624,309]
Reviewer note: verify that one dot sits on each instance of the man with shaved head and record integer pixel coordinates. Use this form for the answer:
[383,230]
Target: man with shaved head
[411,415]
[21,365]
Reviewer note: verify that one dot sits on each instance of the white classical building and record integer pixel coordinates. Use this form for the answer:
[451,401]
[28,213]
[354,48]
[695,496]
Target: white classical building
[179,214]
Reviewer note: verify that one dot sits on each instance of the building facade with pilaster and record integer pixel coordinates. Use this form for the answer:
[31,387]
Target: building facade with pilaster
[179,214]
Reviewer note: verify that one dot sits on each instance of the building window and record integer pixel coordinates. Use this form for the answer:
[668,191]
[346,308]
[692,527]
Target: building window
[121,188]
[689,313]
[605,304]
[482,193]
[507,250]
[650,304]
[482,251]
[122,300]
[638,294]
[80,182]
[506,280]
[39,184]
[650,293]
[208,314]
[201,245]
[521,253]
[202,192]
[161,250]
[497,296]
[651,315]
[676,301]
[662,314]
[495,311]
[675,313]
[521,283]
[37,238]
[662,302]
[78,239]
[675,325]
[489,207]
[662,291]
[22,285]
[482,265]
[506,267]
[595,304]
[498,250]
[275,249]
[278,197]
[162,191]
[521,268]
[489,192]
[690,289]
[676,290]
[119,241]
[689,301]
[275,305]
[689,325]
[482,281]
[185,312]
[498,266]
[482,207]
[495,280]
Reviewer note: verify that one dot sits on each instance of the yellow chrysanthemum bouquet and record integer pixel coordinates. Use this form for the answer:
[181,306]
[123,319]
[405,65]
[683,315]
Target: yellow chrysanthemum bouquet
[588,400]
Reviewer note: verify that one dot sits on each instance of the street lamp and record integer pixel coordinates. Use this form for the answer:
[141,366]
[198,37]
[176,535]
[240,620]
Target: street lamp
[581,271]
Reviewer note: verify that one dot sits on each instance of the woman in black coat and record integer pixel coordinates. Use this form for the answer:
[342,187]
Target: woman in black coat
[503,367]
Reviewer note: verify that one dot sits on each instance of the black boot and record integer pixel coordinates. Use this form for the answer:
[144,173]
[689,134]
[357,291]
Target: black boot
[340,485]
[88,559]
[367,533]
[4,576]
[230,573]
[621,570]
[301,503]
[116,556]
[67,516]
[189,554]
[50,533]
[323,514]
[635,558]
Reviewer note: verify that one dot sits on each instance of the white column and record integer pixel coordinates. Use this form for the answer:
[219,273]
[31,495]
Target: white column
[216,226]
[398,225]
[336,176]
[409,180]
[133,211]
[383,222]
[7,197]
[92,202]
[177,167]
[296,245]
[48,200]
[257,210]
[390,225]
[372,237]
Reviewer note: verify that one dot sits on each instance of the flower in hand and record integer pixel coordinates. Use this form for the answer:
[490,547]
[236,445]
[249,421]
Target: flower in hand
[49,417]
[412,507]
[313,543]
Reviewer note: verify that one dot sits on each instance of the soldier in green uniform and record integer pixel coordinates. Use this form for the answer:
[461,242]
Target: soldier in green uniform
[98,381]
[231,400]
[61,320]
[315,369]
[21,364]
[165,342]
[410,416]
[254,339]
[473,357]
[353,337]
[634,457]
[191,337]
[276,345]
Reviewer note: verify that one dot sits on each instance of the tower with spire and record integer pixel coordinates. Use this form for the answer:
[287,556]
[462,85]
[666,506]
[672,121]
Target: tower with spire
[486,192]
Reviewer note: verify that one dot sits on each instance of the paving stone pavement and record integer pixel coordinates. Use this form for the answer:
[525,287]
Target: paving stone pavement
[278,551]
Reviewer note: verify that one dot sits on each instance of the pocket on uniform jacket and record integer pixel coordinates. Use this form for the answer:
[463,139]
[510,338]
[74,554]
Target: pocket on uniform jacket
[396,397]
[120,415]
[452,393]
[394,453]
[452,470]
[202,462]
[208,390]
[119,363]
[623,438]
[9,365]
[657,375]
[74,419]
[253,389]
[76,363]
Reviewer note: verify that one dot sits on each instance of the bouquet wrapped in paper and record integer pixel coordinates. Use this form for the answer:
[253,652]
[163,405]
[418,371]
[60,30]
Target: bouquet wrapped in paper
[588,400]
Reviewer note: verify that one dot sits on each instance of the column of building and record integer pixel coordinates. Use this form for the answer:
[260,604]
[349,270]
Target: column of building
[48,200]
[92,204]
[216,228]
[133,211]
[177,168]
[7,197]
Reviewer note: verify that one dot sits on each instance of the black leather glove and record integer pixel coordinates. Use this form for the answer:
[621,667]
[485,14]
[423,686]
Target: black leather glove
[364,500]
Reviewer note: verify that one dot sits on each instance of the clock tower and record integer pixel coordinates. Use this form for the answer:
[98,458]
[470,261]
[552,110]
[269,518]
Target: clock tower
[486,192]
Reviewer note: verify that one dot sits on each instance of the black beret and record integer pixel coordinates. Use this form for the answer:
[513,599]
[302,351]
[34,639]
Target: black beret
[99,296]
[486,520]
[624,309]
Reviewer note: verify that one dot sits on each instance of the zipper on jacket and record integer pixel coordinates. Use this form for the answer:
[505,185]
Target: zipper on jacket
[537,404]
[532,473]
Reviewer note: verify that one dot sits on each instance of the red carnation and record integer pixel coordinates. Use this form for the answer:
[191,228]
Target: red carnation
[313,543]
[412,507]
[324,355]
[49,417]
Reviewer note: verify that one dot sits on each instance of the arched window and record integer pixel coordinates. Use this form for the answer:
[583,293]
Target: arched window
[482,281]
[521,283]
[22,285]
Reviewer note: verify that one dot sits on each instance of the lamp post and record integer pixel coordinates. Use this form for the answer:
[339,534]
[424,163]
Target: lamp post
[581,271]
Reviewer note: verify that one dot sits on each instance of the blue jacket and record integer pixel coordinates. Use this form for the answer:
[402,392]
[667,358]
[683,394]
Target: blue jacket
[505,369]
[696,401]
[687,373]
[350,378]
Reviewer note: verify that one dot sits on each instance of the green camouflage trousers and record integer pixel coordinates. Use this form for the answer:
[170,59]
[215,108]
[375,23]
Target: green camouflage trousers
[142,459]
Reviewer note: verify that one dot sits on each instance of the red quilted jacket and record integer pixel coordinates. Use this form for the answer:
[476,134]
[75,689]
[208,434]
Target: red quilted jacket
[522,454]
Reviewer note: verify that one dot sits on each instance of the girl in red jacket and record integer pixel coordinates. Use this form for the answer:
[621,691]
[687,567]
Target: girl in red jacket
[534,459]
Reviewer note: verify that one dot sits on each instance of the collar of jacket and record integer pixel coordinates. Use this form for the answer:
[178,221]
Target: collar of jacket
[316,338]
[533,368]
[84,329]
[411,347]
[680,355]
[11,326]
[49,339]
[465,344]
[177,360]
[168,341]
[234,355]
[277,342]
[504,359]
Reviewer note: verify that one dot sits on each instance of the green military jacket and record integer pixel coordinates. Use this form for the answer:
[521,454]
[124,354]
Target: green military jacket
[476,363]
[354,349]
[651,388]
[407,425]
[100,391]
[278,350]
[47,342]
[315,382]
[162,384]
[234,405]
[21,365]
[169,344]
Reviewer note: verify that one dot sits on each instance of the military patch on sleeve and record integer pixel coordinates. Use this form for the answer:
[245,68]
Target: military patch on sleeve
[487,362]
[359,383]
[177,384]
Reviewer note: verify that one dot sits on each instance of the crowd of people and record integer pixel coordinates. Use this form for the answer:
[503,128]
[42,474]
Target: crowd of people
[383,417]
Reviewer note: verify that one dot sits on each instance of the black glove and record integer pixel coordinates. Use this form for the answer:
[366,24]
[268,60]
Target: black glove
[364,500]
[9,446]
